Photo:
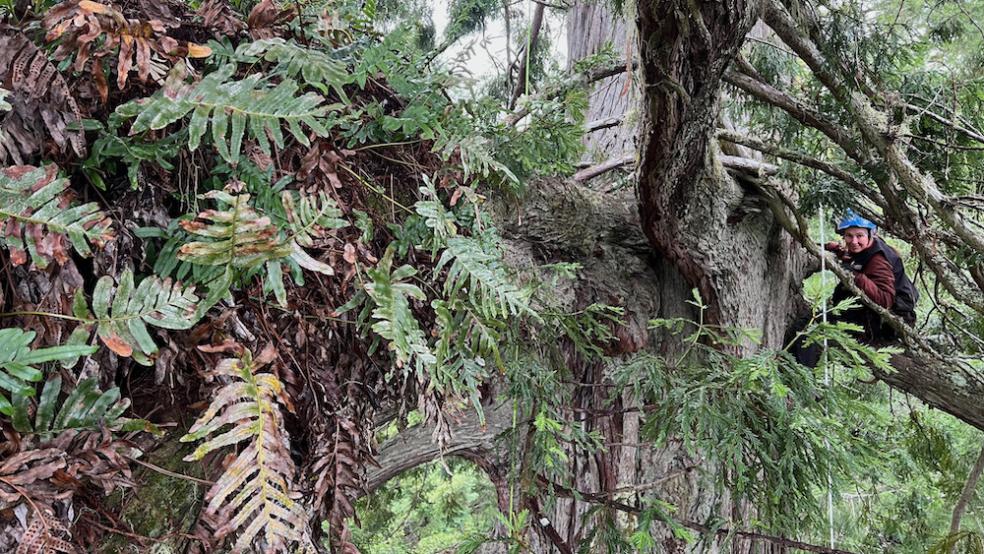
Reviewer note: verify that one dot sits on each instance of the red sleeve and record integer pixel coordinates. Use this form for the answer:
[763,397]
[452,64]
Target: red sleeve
[877,280]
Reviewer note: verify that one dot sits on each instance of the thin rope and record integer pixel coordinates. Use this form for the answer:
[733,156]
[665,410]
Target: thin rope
[826,373]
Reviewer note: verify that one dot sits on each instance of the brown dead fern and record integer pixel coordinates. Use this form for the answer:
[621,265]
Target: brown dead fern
[41,103]
[45,535]
[221,18]
[92,31]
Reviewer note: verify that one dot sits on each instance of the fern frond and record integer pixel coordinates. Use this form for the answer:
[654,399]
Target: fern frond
[232,108]
[480,274]
[91,30]
[476,154]
[86,407]
[253,496]
[45,535]
[316,68]
[436,216]
[121,314]
[43,105]
[4,105]
[17,361]
[37,217]
[239,237]
[307,217]
[394,321]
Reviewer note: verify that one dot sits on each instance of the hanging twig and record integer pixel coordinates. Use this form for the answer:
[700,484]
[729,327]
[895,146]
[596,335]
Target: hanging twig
[965,495]
[525,60]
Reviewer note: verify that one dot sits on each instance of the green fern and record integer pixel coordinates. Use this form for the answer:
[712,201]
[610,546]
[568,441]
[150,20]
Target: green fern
[17,361]
[481,275]
[307,217]
[232,108]
[465,346]
[120,315]
[241,238]
[316,68]
[36,217]
[86,407]
[476,155]
[254,494]
[393,319]
[437,218]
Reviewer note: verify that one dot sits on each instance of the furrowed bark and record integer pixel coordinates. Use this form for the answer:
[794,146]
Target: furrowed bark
[692,212]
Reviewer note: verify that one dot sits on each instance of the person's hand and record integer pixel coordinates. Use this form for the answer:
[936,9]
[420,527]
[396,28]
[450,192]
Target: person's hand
[833,246]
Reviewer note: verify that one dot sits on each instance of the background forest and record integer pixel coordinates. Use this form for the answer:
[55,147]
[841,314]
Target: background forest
[485,276]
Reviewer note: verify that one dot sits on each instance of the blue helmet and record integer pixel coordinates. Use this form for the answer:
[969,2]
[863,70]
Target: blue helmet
[852,219]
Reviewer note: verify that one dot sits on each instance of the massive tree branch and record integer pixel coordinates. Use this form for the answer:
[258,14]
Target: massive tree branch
[416,446]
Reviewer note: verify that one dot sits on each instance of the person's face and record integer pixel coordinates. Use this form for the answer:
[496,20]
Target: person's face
[856,239]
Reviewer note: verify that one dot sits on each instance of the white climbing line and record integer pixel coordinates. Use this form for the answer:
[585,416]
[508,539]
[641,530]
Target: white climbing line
[826,370]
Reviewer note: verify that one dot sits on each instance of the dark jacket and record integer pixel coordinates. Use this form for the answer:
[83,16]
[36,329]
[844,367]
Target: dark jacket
[874,274]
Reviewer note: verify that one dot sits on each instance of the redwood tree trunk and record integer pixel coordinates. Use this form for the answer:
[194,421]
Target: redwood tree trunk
[695,214]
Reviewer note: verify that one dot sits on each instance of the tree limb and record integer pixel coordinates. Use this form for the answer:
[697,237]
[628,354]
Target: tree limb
[604,167]
[524,62]
[965,495]
[799,110]
[804,160]
[415,446]
[599,124]
[748,166]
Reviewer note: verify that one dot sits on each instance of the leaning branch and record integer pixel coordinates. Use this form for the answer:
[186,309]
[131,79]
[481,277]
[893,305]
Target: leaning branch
[966,495]
[576,80]
[604,167]
[748,166]
[799,110]
[599,124]
[970,133]
[524,61]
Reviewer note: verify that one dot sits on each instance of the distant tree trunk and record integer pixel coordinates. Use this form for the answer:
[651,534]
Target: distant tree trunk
[590,27]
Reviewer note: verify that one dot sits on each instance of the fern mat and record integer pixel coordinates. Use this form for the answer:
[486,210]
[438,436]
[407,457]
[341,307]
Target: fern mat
[247,227]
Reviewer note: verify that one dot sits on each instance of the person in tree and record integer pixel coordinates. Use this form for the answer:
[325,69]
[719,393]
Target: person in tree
[878,272]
